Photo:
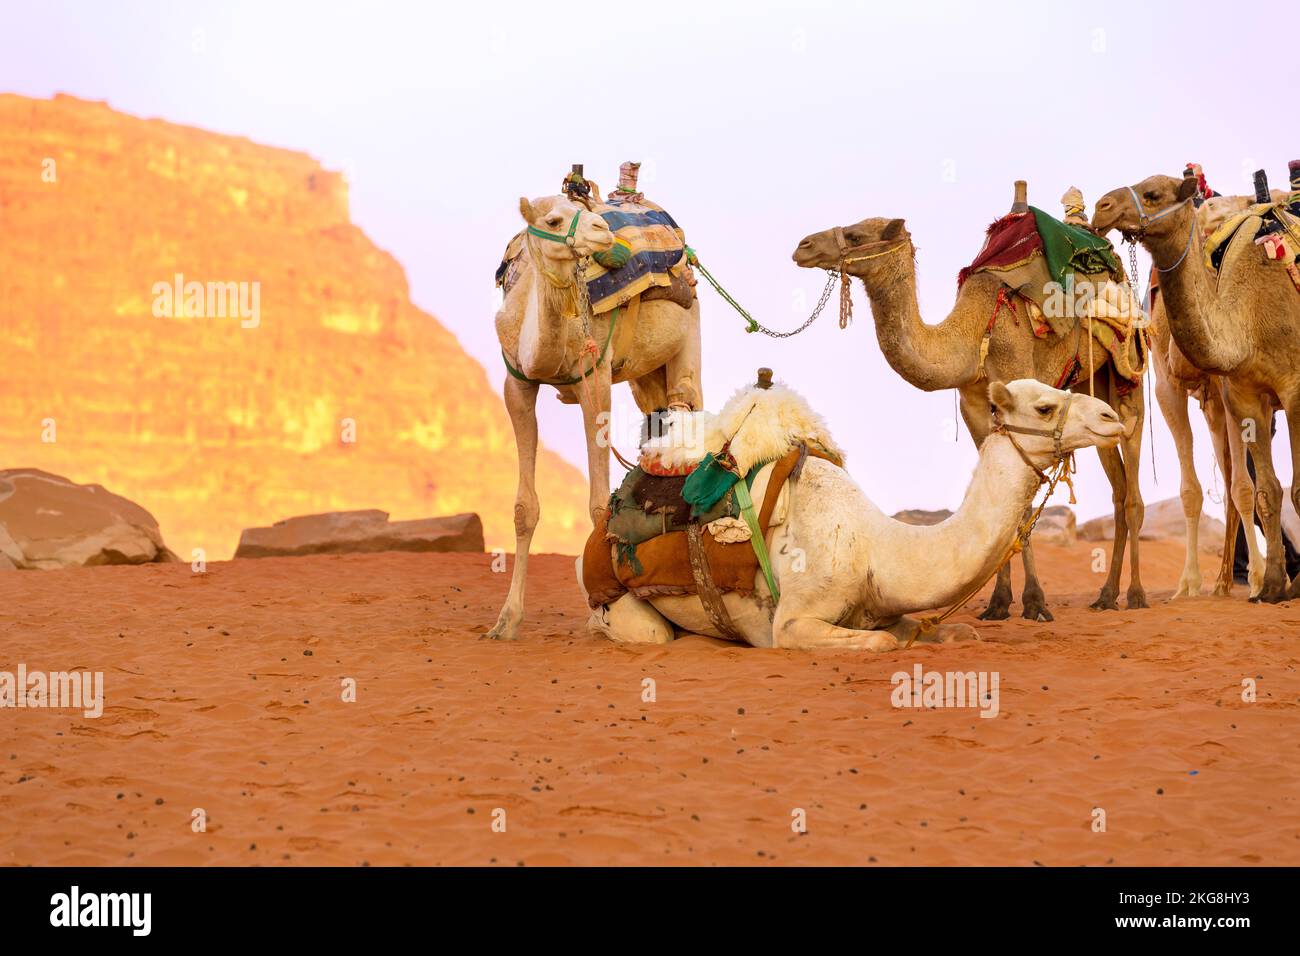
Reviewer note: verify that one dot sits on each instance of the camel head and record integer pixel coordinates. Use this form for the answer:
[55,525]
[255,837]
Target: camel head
[1032,413]
[822,250]
[1157,194]
[553,216]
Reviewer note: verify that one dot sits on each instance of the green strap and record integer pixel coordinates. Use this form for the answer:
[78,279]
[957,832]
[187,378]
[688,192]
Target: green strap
[756,536]
[613,318]
[555,236]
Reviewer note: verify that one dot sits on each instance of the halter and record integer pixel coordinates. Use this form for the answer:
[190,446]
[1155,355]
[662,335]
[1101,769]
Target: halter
[842,244]
[555,236]
[1055,433]
[1144,220]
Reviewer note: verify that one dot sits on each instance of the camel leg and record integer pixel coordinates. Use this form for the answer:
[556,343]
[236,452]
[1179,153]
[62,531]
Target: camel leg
[521,404]
[1241,490]
[685,382]
[1213,410]
[1247,410]
[1113,465]
[1131,408]
[1173,405]
[999,608]
[650,391]
[1032,598]
[812,633]
[909,629]
[1292,409]
[594,397]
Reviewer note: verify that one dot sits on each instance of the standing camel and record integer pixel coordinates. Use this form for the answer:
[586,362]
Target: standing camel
[546,340]
[947,355]
[1177,380]
[1244,326]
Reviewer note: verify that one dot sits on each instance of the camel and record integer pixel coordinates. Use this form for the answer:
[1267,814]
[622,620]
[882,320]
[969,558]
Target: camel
[1176,380]
[543,339]
[846,573]
[1245,328]
[947,355]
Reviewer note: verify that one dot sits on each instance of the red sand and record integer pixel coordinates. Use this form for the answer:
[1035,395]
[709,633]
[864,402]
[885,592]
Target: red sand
[214,703]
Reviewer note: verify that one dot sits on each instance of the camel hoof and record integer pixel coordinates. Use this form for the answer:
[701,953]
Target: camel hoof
[1105,602]
[1274,594]
[504,631]
[1137,600]
[1037,612]
[996,611]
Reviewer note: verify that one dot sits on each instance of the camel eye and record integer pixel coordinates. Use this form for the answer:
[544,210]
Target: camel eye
[1043,410]
[1150,196]
[553,221]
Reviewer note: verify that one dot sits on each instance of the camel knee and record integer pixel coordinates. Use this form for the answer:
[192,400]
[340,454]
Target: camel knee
[1267,499]
[1135,512]
[527,513]
[686,391]
[1243,496]
[629,620]
[1193,498]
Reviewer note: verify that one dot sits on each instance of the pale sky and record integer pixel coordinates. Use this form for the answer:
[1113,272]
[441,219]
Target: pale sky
[757,123]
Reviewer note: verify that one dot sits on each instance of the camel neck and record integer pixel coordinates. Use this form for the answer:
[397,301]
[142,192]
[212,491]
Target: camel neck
[944,560]
[1207,334]
[929,357]
[544,335]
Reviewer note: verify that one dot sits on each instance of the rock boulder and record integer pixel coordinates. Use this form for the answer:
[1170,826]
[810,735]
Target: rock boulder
[47,521]
[341,532]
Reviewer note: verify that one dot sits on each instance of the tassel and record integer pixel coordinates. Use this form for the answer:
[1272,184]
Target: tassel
[984,353]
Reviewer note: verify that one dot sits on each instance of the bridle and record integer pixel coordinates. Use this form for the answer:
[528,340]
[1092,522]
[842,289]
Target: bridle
[1056,432]
[846,256]
[1145,220]
[847,251]
[568,240]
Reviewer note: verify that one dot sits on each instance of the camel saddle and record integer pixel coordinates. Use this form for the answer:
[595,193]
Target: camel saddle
[662,564]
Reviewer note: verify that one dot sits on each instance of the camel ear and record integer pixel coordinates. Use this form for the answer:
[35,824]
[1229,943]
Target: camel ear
[1001,397]
[893,229]
[1187,188]
[525,209]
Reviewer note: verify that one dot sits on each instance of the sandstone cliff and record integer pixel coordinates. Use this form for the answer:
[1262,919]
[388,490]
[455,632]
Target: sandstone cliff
[328,391]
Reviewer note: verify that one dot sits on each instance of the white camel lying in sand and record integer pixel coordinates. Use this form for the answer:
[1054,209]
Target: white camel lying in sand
[845,571]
